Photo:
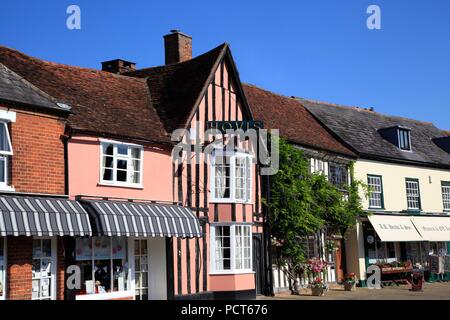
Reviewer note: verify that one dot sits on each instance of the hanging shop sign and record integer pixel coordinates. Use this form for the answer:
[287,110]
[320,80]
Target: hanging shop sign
[223,126]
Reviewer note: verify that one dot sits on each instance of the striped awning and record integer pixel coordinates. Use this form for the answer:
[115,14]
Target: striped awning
[39,216]
[140,219]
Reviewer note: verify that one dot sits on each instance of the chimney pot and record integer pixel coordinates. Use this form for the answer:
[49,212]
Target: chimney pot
[118,66]
[178,47]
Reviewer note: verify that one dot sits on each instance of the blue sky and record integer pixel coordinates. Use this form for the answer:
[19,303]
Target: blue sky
[318,49]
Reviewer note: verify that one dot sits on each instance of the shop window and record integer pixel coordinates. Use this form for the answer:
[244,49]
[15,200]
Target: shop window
[2,268]
[231,178]
[413,194]
[375,191]
[141,269]
[231,248]
[43,270]
[446,195]
[5,153]
[380,252]
[121,164]
[103,263]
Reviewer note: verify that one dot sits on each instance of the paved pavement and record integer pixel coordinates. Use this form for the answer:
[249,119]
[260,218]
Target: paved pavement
[431,291]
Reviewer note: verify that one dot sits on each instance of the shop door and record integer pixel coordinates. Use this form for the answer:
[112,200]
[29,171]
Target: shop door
[339,262]
[44,269]
[258,263]
[141,269]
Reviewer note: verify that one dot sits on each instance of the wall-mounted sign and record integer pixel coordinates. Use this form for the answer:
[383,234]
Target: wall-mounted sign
[223,126]
[370,239]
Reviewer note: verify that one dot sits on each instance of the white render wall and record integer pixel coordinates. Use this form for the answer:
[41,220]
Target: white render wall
[394,186]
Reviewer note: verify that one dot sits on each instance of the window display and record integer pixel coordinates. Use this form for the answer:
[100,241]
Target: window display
[103,263]
[42,277]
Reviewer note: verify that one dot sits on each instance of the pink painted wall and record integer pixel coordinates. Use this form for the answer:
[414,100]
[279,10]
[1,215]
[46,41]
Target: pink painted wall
[84,172]
[234,282]
[215,282]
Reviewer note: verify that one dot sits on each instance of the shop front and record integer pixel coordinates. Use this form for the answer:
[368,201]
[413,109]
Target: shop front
[398,243]
[32,230]
[127,259]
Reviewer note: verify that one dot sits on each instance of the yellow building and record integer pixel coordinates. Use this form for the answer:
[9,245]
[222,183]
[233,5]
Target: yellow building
[406,166]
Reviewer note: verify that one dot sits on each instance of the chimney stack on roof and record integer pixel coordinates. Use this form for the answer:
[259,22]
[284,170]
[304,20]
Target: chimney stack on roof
[178,47]
[118,66]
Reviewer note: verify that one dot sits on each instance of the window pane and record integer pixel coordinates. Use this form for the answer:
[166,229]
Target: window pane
[222,248]
[121,175]
[3,162]
[122,164]
[122,149]
[375,192]
[107,174]
[119,250]
[83,256]
[108,161]
[108,149]
[102,256]
[222,177]
[413,195]
[136,153]
[4,142]
[446,195]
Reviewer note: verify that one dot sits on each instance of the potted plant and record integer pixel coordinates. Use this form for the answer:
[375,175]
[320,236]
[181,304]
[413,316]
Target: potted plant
[350,282]
[317,287]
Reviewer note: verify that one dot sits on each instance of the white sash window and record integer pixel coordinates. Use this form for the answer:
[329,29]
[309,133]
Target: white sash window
[121,164]
[231,177]
[231,248]
[6,150]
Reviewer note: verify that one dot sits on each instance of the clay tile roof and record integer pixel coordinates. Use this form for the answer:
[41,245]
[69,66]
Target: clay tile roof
[146,104]
[175,88]
[294,122]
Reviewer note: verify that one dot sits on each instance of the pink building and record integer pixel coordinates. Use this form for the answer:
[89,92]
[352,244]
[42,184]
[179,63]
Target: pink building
[163,228]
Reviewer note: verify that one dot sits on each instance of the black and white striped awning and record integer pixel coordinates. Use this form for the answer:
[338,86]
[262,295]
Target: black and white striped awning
[140,219]
[39,216]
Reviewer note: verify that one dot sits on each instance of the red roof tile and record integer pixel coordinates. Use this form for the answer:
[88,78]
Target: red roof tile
[294,122]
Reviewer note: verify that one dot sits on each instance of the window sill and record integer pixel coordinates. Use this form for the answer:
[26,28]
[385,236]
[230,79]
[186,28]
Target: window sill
[229,201]
[375,209]
[231,272]
[7,189]
[116,185]
[106,296]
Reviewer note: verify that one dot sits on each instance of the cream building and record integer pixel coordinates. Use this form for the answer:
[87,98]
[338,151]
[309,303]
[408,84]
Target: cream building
[406,165]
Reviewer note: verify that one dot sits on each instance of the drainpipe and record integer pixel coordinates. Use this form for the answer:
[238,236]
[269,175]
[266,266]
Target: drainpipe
[268,242]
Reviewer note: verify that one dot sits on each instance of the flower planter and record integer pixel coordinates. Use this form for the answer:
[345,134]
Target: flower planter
[349,286]
[318,292]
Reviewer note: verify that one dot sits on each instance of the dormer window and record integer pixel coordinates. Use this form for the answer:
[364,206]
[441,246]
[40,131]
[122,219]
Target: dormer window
[404,139]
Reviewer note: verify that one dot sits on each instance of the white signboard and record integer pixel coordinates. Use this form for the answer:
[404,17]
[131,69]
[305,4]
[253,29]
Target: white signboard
[394,228]
[433,228]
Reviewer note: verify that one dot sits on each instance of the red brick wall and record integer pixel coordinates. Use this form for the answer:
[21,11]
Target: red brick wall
[37,165]
[20,251]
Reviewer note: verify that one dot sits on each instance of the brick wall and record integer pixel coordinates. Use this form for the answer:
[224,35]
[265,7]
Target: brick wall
[37,165]
[20,251]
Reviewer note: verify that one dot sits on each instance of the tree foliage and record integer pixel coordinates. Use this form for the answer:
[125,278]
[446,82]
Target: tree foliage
[301,204]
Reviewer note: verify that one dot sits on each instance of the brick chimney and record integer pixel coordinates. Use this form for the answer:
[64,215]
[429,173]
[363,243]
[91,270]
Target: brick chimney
[178,47]
[118,66]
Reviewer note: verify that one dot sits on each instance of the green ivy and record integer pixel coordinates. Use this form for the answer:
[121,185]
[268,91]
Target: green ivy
[302,204]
